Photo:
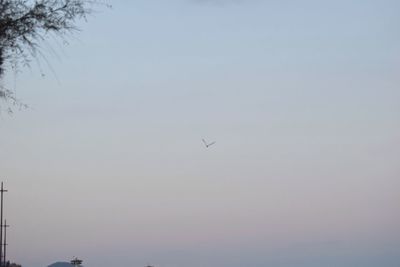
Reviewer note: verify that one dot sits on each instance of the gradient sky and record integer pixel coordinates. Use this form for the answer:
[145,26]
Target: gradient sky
[302,98]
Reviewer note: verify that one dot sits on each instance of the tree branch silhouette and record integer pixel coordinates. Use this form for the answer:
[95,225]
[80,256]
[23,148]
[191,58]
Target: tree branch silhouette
[24,24]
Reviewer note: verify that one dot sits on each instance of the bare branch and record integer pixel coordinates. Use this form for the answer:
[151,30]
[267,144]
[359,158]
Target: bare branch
[25,23]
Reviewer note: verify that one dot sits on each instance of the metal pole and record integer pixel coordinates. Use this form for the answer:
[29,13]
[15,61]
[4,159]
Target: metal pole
[5,242]
[1,223]
[1,226]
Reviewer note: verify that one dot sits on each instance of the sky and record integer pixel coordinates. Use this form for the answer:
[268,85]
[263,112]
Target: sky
[301,97]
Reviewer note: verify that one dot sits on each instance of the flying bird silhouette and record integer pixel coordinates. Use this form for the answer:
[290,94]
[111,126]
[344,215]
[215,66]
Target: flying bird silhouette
[207,144]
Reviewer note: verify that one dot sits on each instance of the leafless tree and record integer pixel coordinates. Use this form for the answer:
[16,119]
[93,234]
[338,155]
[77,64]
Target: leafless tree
[25,24]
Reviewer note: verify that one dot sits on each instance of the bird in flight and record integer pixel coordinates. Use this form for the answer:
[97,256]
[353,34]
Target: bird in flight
[207,144]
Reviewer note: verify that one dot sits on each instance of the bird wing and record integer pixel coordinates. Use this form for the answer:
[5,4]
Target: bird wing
[210,144]
[204,141]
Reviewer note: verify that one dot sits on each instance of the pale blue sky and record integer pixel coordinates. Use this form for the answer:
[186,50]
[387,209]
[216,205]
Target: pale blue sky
[302,98]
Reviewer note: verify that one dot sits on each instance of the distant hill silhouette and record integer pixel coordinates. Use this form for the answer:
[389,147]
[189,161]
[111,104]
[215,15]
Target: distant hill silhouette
[61,264]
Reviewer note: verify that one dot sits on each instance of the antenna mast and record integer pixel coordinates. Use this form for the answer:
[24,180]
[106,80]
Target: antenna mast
[5,243]
[2,190]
